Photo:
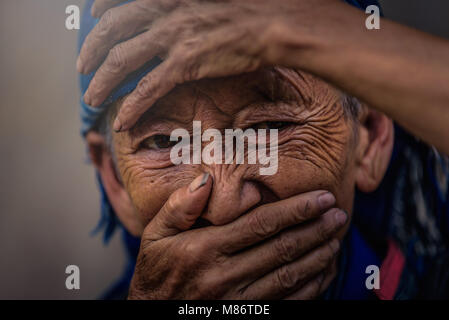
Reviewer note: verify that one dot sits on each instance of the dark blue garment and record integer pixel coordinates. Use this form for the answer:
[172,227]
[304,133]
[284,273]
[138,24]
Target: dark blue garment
[356,255]
[411,208]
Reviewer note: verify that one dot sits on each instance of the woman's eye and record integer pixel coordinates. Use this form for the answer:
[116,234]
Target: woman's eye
[158,142]
[271,125]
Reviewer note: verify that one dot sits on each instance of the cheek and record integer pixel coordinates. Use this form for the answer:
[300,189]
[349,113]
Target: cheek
[297,175]
[316,156]
[316,153]
[149,188]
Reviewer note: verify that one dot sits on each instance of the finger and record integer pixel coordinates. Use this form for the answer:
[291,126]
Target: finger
[144,96]
[287,246]
[288,278]
[314,288]
[310,291]
[116,25]
[269,219]
[130,55]
[200,56]
[122,60]
[101,6]
[181,210]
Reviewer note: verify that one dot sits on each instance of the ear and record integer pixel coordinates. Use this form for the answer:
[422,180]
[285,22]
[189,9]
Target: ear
[117,195]
[373,152]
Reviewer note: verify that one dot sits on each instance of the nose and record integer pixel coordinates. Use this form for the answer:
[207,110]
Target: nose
[233,193]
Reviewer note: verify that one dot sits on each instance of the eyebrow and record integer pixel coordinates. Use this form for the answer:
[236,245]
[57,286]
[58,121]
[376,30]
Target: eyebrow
[271,111]
[150,120]
[155,115]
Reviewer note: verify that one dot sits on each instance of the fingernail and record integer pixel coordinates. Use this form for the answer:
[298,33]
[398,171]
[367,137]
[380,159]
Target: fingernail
[117,125]
[335,245]
[199,182]
[341,217]
[326,200]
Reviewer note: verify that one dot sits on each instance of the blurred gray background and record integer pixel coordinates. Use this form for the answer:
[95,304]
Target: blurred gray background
[48,196]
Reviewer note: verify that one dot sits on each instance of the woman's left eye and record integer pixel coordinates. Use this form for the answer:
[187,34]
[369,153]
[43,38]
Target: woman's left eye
[158,142]
[279,125]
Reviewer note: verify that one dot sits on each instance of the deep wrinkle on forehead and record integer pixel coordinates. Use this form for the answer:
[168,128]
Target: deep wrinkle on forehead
[270,84]
[238,97]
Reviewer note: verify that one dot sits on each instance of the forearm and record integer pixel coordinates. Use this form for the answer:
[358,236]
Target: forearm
[397,70]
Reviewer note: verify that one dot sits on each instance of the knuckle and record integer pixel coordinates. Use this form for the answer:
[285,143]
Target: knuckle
[173,203]
[170,4]
[179,254]
[305,208]
[204,290]
[301,210]
[180,3]
[144,87]
[192,253]
[210,286]
[314,290]
[272,33]
[179,62]
[260,225]
[186,56]
[146,243]
[285,247]
[285,279]
[301,243]
[185,76]
[169,213]
[184,256]
[191,73]
[174,211]
[116,61]
[106,24]
[323,230]
[324,256]
[206,246]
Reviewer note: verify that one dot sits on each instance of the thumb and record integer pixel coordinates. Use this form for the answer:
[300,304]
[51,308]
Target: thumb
[181,210]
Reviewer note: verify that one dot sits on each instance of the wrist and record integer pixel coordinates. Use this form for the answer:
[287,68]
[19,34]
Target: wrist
[308,39]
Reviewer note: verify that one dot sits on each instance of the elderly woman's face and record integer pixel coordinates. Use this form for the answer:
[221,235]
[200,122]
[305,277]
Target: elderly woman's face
[316,143]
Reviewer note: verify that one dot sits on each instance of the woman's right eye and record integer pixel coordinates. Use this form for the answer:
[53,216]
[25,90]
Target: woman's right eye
[158,142]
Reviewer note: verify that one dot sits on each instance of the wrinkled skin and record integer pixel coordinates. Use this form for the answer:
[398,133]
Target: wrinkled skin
[316,152]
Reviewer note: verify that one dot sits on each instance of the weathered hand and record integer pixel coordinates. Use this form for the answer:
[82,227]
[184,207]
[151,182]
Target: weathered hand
[196,38]
[278,250]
